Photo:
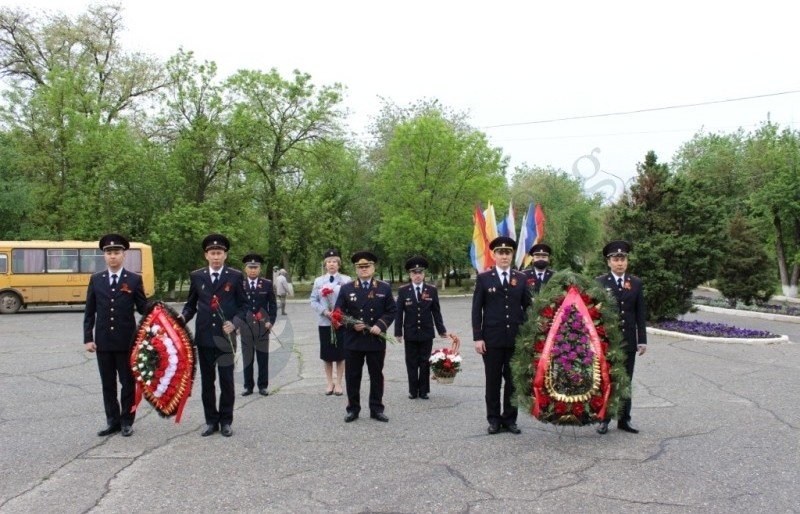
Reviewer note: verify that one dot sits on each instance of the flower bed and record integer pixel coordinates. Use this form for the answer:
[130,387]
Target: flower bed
[702,328]
[766,308]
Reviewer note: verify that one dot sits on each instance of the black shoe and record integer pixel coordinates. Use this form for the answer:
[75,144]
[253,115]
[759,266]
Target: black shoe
[127,430]
[494,428]
[603,428]
[351,416]
[412,396]
[210,429]
[226,430]
[423,396]
[247,392]
[512,427]
[379,416]
[626,426]
[110,429]
[263,391]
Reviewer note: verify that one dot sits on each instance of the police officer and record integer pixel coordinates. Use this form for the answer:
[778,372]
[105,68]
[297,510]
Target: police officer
[261,313]
[539,273]
[109,328]
[498,309]
[418,311]
[370,301]
[216,284]
[628,292]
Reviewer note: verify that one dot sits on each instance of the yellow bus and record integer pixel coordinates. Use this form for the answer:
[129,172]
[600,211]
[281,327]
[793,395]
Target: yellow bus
[57,272]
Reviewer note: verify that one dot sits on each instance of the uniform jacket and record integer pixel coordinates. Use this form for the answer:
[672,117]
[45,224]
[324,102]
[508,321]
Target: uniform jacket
[108,320]
[261,308]
[533,281]
[374,306]
[320,304]
[416,319]
[632,310]
[497,311]
[229,290]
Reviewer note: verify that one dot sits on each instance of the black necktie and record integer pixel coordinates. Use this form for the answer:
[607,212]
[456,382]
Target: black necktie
[619,283]
[252,285]
[541,277]
[419,293]
[331,279]
[215,277]
[505,281]
[113,281]
[365,285]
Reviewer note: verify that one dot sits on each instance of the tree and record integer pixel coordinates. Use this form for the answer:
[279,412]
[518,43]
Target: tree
[574,220]
[432,173]
[771,160]
[746,273]
[675,232]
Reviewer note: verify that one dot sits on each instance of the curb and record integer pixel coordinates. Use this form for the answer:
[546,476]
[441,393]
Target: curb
[728,340]
[777,297]
[748,314]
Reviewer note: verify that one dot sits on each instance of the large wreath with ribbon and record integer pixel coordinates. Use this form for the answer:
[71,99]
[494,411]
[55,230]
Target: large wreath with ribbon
[568,367]
[163,361]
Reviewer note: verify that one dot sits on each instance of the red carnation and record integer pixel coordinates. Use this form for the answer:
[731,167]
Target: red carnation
[535,363]
[604,347]
[326,291]
[578,409]
[548,312]
[539,346]
[561,408]
[596,403]
[585,298]
[601,331]
[594,313]
[337,318]
[543,400]
[214,303]
[258,316]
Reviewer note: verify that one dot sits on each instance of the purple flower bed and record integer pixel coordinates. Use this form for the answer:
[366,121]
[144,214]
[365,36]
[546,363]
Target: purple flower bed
[702,328]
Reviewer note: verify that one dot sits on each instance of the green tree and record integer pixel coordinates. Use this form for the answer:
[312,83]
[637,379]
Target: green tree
[431,174]
[675,232]
[573,219]
[746,273]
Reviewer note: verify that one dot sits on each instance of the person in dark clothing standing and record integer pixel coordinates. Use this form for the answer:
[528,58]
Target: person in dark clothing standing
[262,310]
[418,311]
[629,293]
[109,328]
[370,301]
[539,273]
[498,309]
[216,292]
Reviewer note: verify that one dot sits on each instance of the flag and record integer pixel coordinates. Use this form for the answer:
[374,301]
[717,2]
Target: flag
[491,223]
[506,227]
[479,249]
[527,236]
[539,221]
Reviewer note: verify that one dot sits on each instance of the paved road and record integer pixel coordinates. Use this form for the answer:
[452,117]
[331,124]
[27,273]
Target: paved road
[720,428]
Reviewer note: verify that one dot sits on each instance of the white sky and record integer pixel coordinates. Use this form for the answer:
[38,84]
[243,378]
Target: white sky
[509,62]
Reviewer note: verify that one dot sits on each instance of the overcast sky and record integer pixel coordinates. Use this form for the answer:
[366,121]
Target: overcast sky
[509,62]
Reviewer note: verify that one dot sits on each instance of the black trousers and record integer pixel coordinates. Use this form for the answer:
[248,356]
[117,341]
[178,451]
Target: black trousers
[630,361]
[418,366]
[497,367]
[111,366]
[353,368]
[255,350]
[212,360]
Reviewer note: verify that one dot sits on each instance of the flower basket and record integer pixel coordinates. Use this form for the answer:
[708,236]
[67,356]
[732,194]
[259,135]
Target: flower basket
[445,364]
[568,366]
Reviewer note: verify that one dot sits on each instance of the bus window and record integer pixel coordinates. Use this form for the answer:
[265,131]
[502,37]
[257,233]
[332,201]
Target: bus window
[133,261]
[27,260]
[62,261]
[3,263]
[92,261]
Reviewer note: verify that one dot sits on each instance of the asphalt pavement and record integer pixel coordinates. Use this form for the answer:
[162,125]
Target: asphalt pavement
[719,433]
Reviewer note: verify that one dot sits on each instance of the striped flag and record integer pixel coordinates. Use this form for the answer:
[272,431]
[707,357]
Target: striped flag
[539,221]
[491,223]
[507,227]
[479,248]
[527,237]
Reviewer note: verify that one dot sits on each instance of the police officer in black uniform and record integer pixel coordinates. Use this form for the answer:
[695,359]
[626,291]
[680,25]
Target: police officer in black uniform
[369,300]
[498,309]
[628,291]
[262,310]
[213,347]
[539,273]
[418,311]
[109,328]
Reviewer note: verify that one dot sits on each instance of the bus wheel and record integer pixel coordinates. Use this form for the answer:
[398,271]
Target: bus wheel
[9,302]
